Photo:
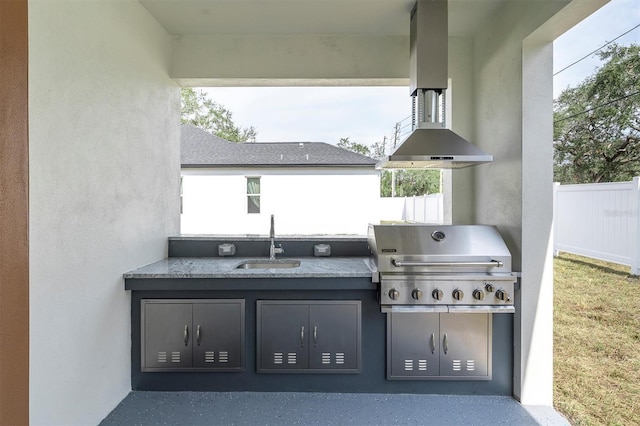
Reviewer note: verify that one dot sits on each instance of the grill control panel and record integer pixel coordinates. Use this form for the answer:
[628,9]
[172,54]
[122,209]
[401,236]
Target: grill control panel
[427,292]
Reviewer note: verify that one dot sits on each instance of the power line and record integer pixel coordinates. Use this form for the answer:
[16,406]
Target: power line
[597,50]
[596,107]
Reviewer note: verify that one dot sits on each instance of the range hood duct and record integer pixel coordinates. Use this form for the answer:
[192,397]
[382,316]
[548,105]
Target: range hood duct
[431,144]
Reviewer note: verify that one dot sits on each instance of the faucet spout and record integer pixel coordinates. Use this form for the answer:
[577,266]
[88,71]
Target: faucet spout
[273,250]
[272,232]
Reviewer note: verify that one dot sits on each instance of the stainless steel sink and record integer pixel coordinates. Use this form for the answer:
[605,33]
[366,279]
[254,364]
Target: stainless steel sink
[268,264]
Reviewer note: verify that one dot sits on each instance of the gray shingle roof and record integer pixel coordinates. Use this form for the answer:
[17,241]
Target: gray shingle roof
[202,149]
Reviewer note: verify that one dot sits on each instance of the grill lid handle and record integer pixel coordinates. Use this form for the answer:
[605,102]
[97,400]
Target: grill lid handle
[491,263]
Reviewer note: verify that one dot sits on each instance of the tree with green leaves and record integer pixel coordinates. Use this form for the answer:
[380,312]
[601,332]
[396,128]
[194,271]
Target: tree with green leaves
[410,182]
[597,123]
[198,109]
[349,145]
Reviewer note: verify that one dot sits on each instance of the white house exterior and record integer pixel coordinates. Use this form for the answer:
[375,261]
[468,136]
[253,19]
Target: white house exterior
[90,158]
[310,187]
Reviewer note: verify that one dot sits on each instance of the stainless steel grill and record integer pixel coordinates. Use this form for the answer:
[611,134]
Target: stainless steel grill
[433,268]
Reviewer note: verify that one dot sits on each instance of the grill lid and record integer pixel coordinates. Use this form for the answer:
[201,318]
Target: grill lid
[405,248]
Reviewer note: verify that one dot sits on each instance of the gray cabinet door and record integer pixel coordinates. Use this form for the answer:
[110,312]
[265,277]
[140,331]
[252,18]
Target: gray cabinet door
[465,344]
[218,334]
[166,335]
[283,336]
[190,334]
[334,333]
[414,349]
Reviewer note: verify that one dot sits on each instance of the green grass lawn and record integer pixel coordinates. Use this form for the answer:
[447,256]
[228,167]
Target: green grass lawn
[596,342]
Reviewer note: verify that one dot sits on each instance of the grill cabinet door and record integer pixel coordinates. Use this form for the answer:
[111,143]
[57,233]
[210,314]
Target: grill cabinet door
[334,335]
[218,334]
[283,336]
[167,335]
[414,350]
[464,343]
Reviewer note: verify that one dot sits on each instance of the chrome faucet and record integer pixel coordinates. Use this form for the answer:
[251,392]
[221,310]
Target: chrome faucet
[273,250]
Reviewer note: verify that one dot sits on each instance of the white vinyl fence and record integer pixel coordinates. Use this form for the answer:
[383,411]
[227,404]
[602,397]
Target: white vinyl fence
[600,221]
[420,209]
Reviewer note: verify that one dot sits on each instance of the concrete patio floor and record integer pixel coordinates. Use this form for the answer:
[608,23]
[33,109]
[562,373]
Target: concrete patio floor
[295,408]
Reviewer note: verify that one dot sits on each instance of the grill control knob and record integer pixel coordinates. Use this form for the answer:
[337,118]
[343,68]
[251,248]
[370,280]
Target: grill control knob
[458,294]
[437,294]
[394,294]
[416,294]
[502,295]
[478,294]
[489,287]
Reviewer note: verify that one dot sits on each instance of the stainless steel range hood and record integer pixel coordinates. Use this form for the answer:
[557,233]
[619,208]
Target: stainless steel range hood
[434,149]
[431,145]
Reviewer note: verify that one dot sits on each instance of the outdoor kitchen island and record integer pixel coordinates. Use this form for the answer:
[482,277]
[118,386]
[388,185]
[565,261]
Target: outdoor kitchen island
[331,289]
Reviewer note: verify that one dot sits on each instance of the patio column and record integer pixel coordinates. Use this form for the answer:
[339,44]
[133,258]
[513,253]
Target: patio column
[14,225]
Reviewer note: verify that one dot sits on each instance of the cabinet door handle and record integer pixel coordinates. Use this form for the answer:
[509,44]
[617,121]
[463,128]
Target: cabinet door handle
[198,334]
[433,343]
[186,335]
[302,336]
[315,336]
[445,345]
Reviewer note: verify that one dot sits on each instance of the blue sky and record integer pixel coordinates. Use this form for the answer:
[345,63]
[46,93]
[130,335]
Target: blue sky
[316,114]
[366,114]
[607,23]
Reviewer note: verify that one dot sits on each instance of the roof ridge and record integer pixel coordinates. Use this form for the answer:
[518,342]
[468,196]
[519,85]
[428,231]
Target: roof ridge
[203,149]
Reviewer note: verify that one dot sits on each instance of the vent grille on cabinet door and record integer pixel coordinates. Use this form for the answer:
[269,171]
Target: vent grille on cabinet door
[456,365]
[292,358]
[409,365]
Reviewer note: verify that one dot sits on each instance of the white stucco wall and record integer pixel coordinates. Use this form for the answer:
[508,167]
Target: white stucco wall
[104,173]
[498,60]
[316,201]
[290,60]
[458,184]
[514,106]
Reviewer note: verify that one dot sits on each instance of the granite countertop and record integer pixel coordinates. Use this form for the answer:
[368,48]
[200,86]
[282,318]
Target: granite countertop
[225,268]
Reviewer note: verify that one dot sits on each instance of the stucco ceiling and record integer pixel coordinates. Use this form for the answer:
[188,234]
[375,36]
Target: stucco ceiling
[355,17]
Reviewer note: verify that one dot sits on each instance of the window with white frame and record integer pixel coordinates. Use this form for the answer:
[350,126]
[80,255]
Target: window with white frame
[253,194]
